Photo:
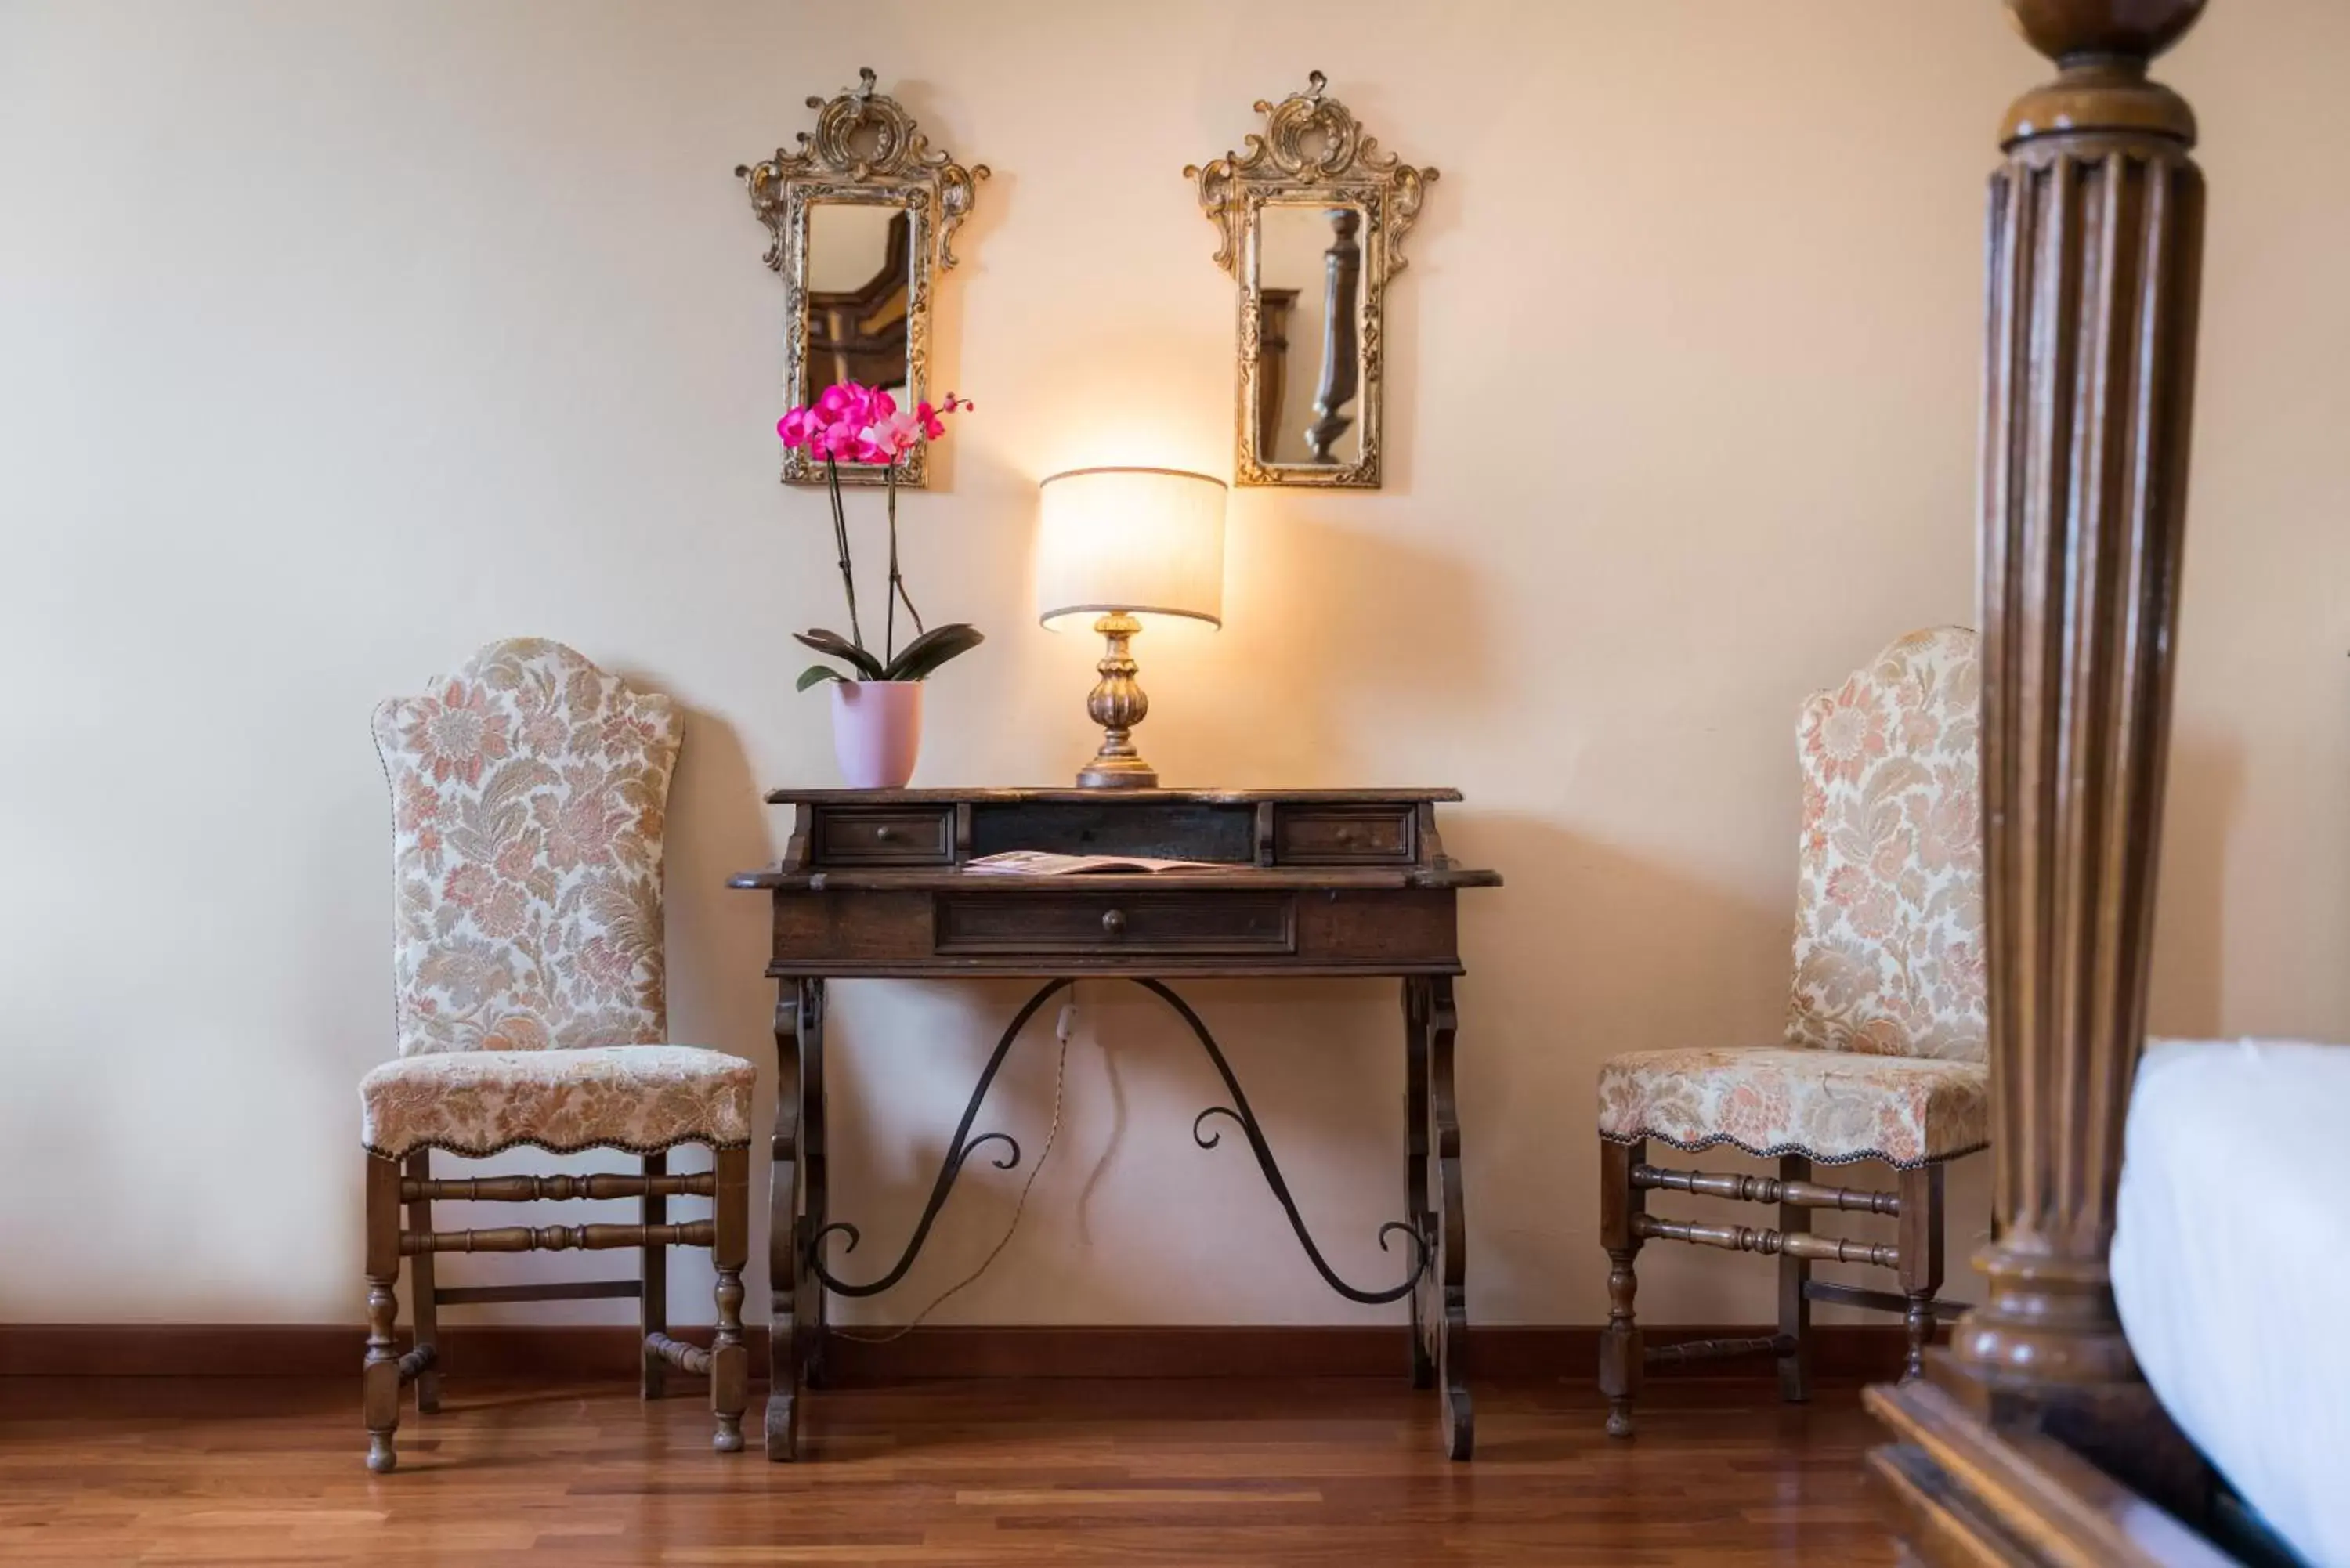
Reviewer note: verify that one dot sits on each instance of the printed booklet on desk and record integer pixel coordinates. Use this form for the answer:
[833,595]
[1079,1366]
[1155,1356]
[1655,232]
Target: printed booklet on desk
[1042,863]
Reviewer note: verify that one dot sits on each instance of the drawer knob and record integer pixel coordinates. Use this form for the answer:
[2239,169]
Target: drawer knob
[886,834]
[1114,923]
[1349,837]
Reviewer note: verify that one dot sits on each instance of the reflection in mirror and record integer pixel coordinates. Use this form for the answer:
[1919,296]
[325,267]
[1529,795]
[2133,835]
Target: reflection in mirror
[858,285]
[1311,221]
[1309,269]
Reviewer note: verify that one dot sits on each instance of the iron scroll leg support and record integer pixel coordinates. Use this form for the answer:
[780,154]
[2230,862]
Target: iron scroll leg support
[964,1144]
[1240,1114]
[800,1225]
[960,1149]
[797,1199]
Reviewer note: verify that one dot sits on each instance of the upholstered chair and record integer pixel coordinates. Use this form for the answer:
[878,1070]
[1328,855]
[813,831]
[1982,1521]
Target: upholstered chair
[1883,1058]
[527,797]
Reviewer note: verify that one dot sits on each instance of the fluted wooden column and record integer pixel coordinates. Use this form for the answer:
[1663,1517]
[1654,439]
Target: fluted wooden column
[2095,254]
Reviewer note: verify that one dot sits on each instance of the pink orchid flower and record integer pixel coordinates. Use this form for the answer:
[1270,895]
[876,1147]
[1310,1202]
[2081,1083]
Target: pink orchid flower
[859,424]
[892,435]
[933,425]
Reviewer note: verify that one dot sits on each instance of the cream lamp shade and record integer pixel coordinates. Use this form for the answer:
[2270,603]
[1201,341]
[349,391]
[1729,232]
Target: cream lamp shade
[1146,541]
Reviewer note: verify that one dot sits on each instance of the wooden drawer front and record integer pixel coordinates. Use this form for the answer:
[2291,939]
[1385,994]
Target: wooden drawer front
[1112,923]
[885,835]
[1342,835]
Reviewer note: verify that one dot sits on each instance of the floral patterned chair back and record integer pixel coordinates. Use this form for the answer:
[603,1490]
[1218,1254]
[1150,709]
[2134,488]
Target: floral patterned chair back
[528,790]
[1889,956]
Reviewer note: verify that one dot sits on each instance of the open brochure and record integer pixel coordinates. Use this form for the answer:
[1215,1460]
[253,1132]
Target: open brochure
[1041,863]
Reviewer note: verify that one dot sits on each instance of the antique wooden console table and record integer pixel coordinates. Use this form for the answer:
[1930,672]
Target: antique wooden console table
[1311,883]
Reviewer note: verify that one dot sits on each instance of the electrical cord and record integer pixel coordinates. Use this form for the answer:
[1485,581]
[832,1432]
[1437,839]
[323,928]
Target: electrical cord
[1063,1027]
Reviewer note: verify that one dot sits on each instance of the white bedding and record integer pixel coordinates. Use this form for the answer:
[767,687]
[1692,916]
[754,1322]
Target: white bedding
[2232,1266]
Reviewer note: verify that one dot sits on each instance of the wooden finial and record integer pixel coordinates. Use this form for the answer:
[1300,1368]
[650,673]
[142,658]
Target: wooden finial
[2064,29]
[2103,47]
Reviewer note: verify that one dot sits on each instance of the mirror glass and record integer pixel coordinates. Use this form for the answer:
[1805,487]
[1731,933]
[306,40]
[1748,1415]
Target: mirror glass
[1309,269]
[858,257]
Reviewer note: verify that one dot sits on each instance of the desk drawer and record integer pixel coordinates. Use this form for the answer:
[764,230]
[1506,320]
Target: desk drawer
[885,835]
[1342,835]
[1112,923]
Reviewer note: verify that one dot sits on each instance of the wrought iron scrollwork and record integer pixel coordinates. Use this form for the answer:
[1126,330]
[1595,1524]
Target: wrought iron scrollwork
[962,1145]
[958,1151]
[1240,1115]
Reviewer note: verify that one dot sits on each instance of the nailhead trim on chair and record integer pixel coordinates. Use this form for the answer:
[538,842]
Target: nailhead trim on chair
[1777,1149]
[469,1153]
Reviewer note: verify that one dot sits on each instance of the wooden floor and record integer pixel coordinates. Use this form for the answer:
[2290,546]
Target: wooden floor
[1342,1472]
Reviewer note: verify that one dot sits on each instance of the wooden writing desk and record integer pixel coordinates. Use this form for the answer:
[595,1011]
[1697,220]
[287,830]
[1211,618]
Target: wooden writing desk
[1315,883]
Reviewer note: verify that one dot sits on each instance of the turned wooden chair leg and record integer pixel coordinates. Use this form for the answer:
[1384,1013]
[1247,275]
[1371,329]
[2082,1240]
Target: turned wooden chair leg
[1620,1350]
[652,1301]
[1921,1259]
[1795,1304]
[418,1166]
[730,1358]
[379,1373]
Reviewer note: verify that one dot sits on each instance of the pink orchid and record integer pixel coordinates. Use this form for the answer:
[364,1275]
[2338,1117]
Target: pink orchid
[933,426]
[842,398]
[858,424]
[892,436]
[849,424]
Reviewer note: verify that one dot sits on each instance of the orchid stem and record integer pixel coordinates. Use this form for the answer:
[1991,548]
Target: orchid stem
[896,583]
[890,599]
[840,539]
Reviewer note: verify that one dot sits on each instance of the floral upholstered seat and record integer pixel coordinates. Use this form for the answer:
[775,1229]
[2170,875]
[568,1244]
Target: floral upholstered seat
[1884,1056]
[641,1097]
[529,792]
[1834,1106]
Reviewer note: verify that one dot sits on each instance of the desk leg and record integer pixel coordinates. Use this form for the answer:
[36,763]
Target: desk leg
[1415,1175]
[795,1207]
[1447,1307]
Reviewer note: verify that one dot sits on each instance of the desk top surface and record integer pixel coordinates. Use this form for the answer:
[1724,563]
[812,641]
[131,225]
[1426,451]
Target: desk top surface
[1062,796]
[1222,880]
[1263,840]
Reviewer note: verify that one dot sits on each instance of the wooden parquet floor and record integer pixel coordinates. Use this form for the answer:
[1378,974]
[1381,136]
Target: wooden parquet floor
[1234,1475]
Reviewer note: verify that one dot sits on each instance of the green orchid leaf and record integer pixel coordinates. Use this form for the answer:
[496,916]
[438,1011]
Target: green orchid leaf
[839,647]
[932,649]
[816,674]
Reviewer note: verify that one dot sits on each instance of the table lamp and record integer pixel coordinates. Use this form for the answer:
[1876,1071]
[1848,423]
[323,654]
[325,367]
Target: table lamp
[1118,542]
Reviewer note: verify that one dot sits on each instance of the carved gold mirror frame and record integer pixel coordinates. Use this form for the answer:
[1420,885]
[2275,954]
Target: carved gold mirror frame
[1312,153]
[865,150]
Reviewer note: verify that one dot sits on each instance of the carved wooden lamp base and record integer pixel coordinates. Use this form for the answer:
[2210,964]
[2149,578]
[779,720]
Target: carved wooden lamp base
[1117,705]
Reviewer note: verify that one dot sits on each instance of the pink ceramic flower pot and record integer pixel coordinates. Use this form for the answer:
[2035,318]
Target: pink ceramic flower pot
[877,729]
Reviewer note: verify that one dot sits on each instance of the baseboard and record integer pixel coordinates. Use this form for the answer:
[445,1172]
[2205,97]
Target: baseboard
[1500,1352]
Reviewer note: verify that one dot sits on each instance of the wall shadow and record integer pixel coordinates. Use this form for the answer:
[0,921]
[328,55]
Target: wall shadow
[1590,950]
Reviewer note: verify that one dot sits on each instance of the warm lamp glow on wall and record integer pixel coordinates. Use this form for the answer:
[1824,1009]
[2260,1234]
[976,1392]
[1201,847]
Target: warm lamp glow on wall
[1117,542]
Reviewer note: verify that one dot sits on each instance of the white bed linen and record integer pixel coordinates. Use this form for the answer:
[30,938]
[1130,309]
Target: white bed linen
[2232,1267]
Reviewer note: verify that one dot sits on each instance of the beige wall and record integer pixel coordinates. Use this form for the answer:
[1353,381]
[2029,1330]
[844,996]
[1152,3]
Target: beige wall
[335,340]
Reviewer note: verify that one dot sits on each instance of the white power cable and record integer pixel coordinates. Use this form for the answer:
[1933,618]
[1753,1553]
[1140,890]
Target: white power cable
[1063,1027]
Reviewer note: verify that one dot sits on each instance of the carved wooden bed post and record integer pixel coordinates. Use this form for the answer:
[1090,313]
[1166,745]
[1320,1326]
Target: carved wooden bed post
[2095,255]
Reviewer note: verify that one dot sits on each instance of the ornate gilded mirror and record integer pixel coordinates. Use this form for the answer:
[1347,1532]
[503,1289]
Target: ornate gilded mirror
[1311,221]
[860,221]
